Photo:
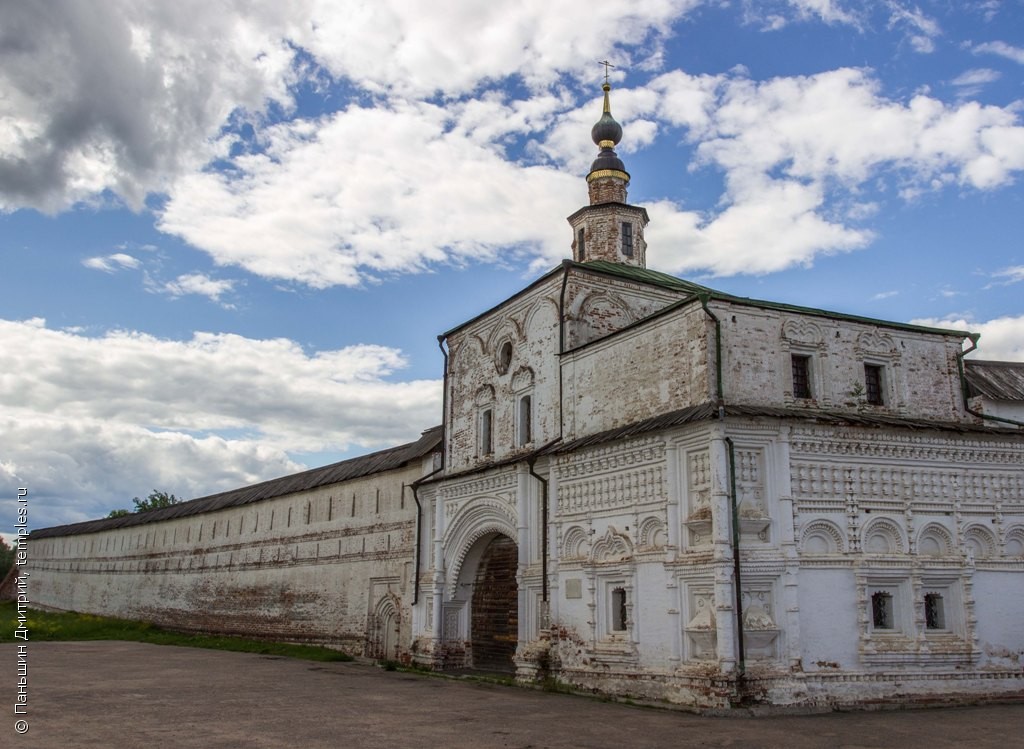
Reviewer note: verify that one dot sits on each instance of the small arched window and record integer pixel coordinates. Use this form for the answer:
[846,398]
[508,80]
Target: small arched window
[504,357]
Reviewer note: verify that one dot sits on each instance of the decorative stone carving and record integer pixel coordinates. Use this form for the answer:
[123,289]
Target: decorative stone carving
[934,541]
[614,546]
[821,537]
[701,629]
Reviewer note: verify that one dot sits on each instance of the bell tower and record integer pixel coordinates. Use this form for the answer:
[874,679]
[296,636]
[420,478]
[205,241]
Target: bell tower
[609,228]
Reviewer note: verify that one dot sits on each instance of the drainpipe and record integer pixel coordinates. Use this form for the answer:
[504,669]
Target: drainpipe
[964,388]
[741,661]
[444,397]
[415,485]
[531,462]
[719,388]
[741,658]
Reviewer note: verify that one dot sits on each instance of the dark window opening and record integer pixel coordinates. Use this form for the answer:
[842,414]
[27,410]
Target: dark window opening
[627,239]
[581,245]
[486,432]
[504,357]
[801,376]
[873,384]
[881,610]
[934,611]
[525,414]
[618,610]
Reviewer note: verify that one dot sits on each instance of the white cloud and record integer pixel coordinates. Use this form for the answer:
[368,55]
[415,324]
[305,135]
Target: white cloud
[123,94]
[1008,276]
[190,417]
[884,295]
[976,77]
[1002,49]
[419,189]
[197,283]
[127,95]
[921,30]
[1001,339]
[112,263]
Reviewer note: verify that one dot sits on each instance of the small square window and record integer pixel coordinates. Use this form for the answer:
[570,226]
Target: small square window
[873,384]
[801,376]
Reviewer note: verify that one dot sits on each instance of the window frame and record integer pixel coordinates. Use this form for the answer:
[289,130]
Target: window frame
[874,384]
[485,427]
[524,419]
[807,392]
[627,238]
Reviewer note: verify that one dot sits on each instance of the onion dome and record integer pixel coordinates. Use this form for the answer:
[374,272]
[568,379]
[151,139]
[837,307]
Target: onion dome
[606,134]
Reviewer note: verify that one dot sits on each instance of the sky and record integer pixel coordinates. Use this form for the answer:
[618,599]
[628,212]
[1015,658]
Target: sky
[230,232]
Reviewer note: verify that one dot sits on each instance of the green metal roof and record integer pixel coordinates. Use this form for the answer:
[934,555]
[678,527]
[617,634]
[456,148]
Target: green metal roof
[665,281]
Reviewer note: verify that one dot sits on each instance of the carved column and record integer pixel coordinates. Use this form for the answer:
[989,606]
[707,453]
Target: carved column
[787,538]
[725,595]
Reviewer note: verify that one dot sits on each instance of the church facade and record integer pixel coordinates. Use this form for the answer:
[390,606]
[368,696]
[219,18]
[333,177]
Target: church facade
[642,487]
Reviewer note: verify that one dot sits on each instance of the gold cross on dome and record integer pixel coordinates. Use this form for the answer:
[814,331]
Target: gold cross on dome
[606,66]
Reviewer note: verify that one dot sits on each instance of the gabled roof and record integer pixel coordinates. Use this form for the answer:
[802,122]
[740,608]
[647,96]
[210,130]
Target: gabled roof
[666,281]
[346,470]
[998,380]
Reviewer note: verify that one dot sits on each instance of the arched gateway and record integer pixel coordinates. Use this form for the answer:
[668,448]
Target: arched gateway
[494,628]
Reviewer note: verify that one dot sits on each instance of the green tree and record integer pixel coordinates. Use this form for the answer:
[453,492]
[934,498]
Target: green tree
[6,558]
[154,501]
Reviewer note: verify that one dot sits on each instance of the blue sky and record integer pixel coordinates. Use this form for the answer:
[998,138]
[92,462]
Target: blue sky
[231,232]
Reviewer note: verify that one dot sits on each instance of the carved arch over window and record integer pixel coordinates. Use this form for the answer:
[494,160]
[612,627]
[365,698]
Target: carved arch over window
[574,543]
[798,330]
[614,546]
[522,379]
[934,540]
[980,542]
[651,533]
[822,537]
[1013,546]
[883,536]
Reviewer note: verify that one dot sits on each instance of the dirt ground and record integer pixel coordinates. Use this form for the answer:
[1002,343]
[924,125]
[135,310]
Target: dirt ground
[118,694]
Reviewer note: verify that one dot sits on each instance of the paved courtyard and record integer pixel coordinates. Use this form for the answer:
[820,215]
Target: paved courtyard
[118,694]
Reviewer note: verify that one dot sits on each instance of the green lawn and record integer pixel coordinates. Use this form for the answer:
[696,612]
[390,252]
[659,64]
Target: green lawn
[50,626]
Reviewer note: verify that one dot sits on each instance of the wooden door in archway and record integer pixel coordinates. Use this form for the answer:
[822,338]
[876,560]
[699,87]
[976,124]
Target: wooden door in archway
[495,621]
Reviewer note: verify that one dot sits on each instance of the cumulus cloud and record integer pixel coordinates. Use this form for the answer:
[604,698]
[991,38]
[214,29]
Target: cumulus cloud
[419,188]
[206,414]
[120,95]
[796,150]
[1001,339]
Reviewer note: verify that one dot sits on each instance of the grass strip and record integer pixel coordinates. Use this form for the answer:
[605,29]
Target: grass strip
[50,626]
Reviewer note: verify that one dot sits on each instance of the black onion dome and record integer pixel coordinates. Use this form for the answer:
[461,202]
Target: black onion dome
[606,128]
[607,159]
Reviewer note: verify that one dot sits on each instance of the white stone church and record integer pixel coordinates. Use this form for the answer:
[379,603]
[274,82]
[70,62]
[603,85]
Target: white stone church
[642,487]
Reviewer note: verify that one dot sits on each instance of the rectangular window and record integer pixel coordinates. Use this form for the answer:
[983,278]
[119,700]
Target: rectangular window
[934,611]
[618,610]
[882,611]
[525,417]
[627,239]
[487,432]
[581,245]
[873,384]
[801,376]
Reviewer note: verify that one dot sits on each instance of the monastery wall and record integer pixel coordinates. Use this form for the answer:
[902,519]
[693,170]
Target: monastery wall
[330,565]
[638,373]
[918,370]
[493,364]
